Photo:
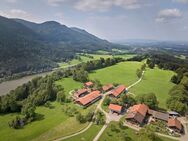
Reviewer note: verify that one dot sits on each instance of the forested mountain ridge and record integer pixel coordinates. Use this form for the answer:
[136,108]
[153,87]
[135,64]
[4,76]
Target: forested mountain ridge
[31,47]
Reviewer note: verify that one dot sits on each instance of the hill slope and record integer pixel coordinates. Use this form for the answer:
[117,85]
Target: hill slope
[30,47]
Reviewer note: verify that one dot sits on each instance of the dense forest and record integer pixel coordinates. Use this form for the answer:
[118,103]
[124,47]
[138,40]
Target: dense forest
[27,47]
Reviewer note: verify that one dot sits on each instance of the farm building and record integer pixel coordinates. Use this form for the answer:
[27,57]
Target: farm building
[80,93]
[158,115]
[107,87]
[118,91]
[89,98]
[175,125]
[137,113]
[115,108]
[88,84]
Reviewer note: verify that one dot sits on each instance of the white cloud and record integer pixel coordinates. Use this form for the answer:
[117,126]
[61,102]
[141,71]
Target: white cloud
[11,1]
[103,5]
[181,1]
[18,13]
[168,14]
[55,2]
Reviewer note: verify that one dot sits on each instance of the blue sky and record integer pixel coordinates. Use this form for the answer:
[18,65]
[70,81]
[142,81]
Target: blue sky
[114,20]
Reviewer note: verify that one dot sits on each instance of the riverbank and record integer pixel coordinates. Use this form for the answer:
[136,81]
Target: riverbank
[7,86]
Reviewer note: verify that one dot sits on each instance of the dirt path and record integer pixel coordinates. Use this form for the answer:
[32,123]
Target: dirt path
[137,81]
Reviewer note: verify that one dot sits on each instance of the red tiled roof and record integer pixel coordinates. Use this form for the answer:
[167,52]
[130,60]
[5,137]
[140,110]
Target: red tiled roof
[89,98]
[79,92]
[107,87]
[115,107]
[117,91]
[174,123]
[138,112]
[89,83]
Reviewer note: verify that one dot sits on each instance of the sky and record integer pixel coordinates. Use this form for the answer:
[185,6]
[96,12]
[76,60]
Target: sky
[114,20]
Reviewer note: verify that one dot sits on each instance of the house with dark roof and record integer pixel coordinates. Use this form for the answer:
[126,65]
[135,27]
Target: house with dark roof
[175,125]
[89,98]
[80,93]
[137,113]
[107,87]
[118,91]
[114,108]
[158,115]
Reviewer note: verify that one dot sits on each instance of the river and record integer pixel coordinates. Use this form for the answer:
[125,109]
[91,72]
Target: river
[7,86]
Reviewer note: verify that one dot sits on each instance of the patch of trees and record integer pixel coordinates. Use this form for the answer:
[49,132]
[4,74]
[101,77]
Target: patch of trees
[85,118]
[138,58]
[179,97]
[148,99]
[140,71]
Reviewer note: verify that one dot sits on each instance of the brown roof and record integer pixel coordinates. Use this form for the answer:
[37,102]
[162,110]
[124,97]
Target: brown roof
[117,91]
[89,98]
[79,92]
[107,87]
[138,112]
[174,123]
[115,107]
[159,115]
[89,83]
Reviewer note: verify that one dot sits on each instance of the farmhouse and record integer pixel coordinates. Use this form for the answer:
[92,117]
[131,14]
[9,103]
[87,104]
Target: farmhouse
[88,84]
[115,108]
[118,91]
[137,113]
[107,87]
[89,98]
[158,115]
[80,93]
[175,125]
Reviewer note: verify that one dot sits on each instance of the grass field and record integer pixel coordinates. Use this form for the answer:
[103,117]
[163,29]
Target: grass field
[156,81]
[88,135]
[110,135]
[122,73]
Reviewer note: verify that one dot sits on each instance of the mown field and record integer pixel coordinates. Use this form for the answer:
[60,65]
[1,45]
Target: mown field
[155,81]
[120,134]
[122,73]
[89,135]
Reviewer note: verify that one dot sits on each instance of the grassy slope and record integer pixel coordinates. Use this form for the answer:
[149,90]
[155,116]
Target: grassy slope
[123,73]
[50,121]
[108,135]
[156,81]
[88,135]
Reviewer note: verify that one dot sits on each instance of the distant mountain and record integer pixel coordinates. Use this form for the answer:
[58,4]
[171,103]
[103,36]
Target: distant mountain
[30,47]
[54,32]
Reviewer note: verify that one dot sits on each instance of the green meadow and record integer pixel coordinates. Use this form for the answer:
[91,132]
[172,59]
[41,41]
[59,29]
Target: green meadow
[122,73]
[89,135]
[155,81]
